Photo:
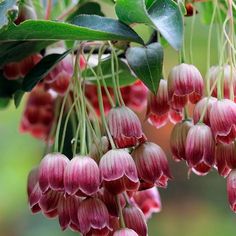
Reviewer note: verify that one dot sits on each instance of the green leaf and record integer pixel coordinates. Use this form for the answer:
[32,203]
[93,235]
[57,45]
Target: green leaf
[41,70]
[16,51]
[4,102]
[163,15]
[84,27]
[7,7]
[124,73]
[90,8]
[147,64]
[18,97]
[8,87]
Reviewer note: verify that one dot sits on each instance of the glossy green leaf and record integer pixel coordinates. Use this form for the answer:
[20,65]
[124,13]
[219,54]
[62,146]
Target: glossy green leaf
[84,27]
[147,63]
[163,15]
[124,73]
[41,70]
[7,7]
[16,51]
[90,8]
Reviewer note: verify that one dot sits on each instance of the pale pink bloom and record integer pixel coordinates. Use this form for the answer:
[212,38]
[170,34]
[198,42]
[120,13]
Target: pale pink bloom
[205,104]
[125,232]
[118,171]
[51,172]
[125,127]
[178,139]
[93,217]
[82,176]
[184,82]
[200,149]
[134,219]
[152,164]
[223,121]
[149,201]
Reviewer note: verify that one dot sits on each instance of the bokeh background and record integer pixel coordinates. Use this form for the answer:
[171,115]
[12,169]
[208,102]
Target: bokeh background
[195,206]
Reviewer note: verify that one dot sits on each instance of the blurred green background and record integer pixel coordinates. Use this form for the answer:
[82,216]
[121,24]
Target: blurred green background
[195,206]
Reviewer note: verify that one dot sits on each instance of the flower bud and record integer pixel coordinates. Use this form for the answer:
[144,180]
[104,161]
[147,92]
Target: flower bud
[148,201]
[125,127]
[118,171]
[134,219]
[224,154]
[184,81]
[223,121]
[231,189]
[200,149]
[178,139]
[93,217]
[125,232]
[152,164]
[51,172]
[201,107]
[82,176]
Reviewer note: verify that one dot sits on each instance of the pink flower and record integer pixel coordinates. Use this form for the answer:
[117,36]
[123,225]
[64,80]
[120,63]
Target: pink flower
[231,189]
[200,149]
[216,72]
[49,203]
[223,121]
[148,201]
[111,202]
[158,106]
[225,154]
[68,212]
[200,107]
[118,171]
[38,114]
[33,191]
[135,95]
[17,70]
[134,219]
[184,81]
[178,139]
[125,127]
[51,172]
[93,217]
[82,176]
[152,164]
[125,232]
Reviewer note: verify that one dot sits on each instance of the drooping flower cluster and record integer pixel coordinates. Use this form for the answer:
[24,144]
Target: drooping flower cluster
[209,140]
[92,197]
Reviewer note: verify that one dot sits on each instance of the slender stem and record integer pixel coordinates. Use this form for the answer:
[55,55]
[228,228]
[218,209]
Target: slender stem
[100,101]
[65,125]
[56,145]
[209,49]
[48,9]
[122,222]
[191,36]
[114,78]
